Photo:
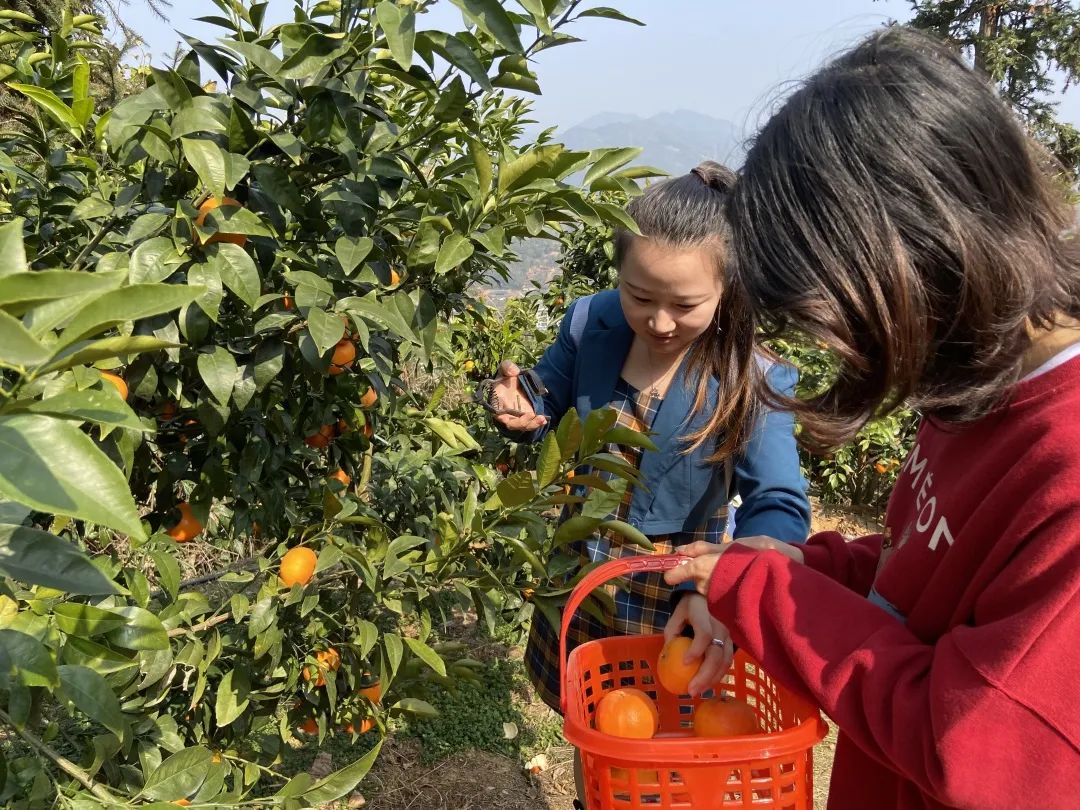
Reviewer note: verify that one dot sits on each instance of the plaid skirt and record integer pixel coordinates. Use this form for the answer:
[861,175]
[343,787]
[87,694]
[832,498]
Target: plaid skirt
[642,602]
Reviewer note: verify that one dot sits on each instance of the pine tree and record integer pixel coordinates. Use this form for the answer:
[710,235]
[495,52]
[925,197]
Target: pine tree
[1031,49]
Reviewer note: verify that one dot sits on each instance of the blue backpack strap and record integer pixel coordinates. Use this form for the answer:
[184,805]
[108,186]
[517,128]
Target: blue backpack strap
[578,318]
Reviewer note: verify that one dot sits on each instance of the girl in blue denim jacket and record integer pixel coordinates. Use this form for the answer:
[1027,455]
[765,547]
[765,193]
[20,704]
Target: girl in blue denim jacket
[635,349]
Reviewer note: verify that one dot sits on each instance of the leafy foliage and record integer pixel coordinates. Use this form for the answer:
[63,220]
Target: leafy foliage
[210,295]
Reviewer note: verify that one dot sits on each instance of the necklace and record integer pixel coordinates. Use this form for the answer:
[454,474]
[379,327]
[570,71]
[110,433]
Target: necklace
[663,379]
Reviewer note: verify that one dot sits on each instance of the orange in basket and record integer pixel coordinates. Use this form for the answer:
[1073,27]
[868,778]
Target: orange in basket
[676,770]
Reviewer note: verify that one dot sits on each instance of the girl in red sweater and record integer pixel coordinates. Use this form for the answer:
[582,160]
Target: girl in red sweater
[895,210]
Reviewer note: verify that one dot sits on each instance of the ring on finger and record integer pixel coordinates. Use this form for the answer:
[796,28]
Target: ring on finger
[719,642]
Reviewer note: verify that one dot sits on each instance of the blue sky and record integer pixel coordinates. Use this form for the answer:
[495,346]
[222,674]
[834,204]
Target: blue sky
[726,58]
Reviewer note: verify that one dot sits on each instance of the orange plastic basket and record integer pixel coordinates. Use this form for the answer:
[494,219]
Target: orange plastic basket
[676,770]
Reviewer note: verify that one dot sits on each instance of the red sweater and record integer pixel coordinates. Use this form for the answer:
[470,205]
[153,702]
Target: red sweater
[950,659]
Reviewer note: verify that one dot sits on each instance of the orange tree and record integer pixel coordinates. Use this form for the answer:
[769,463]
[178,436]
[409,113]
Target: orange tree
[208,295]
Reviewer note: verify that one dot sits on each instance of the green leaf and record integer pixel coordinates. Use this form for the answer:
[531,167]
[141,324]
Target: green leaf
[339,783]
[90,405]
[609,13]
[32,663]
[482,164]
[86,621]
[279,187]
[93,696]
[575,528]
[547,466]
[237,270]
[399,25]
[142,630]
[218,371]
[205,277]
[12,255]
[232,697]
[153,260]
[620,434]
[17,346]
[325,328]
[516,490]
[569,434]
[318,51]
[168,572]
[232,219]
[460,55]
[126,304]
[597,424]
[609,161]
[420,708]
[427,655]
[208,161]
[53,466]
[602,503]
[180,775]
[628,533]
[491,17]
[82,354]
[452,101]
[455,249]
[51,104]
[394,651]
[521,169]
[351,250]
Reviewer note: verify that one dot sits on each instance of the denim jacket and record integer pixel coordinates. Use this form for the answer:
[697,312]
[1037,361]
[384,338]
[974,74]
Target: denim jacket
[679,490]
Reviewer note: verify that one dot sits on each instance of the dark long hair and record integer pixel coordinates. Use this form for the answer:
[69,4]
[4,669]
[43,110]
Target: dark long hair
[895,209]
[689,212]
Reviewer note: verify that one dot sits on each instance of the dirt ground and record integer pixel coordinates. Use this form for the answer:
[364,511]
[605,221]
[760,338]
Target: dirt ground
[478,780]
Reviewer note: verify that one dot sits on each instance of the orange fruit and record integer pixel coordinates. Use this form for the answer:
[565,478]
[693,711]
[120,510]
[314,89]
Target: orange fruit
[674,675]
[469,365]
[369,398]
[368,431]
[287,301]
[168,412]
[881,468]
[724,717]
[297,566]
[342,476]
[118,383]
[309,726]
[188,527]
[208,206]
[395,279]
[321,439]
[343,356]
[503,468]
[628,713]
[183,802]
[366,725]
[570,475]
[372,693]
[327,660]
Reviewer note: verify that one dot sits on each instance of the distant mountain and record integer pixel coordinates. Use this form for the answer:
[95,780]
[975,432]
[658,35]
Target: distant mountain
[674,141]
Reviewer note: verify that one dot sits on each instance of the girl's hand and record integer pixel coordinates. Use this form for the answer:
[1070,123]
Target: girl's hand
[705,555]
[510,396]
[715,658]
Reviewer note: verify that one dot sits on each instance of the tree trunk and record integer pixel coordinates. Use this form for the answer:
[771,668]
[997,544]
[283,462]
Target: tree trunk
[989,22]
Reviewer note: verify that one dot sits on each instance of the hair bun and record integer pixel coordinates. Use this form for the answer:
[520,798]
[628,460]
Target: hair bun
[717,177]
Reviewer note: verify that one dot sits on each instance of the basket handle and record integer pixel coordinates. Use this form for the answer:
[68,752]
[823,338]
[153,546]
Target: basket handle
[595,578]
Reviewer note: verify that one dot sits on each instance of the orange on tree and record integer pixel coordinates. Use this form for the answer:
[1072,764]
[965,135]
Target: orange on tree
[167,412]
[287,301]
[321,439]
[724,717]
[343,356]
[881,468]
[368,431]
[117,382]
[629,713]
[210,205]
[369,398]
[366,725]
[188,527]
[468,365]
[297,566]
[342,476]
[395,279]
[309,726]
[672,671]
[183,802]
[372,693]
[327,660]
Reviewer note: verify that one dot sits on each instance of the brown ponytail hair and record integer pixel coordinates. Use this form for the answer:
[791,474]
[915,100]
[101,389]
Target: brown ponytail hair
[689,212]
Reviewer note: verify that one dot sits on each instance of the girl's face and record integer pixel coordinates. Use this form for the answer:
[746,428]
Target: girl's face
[669,295]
